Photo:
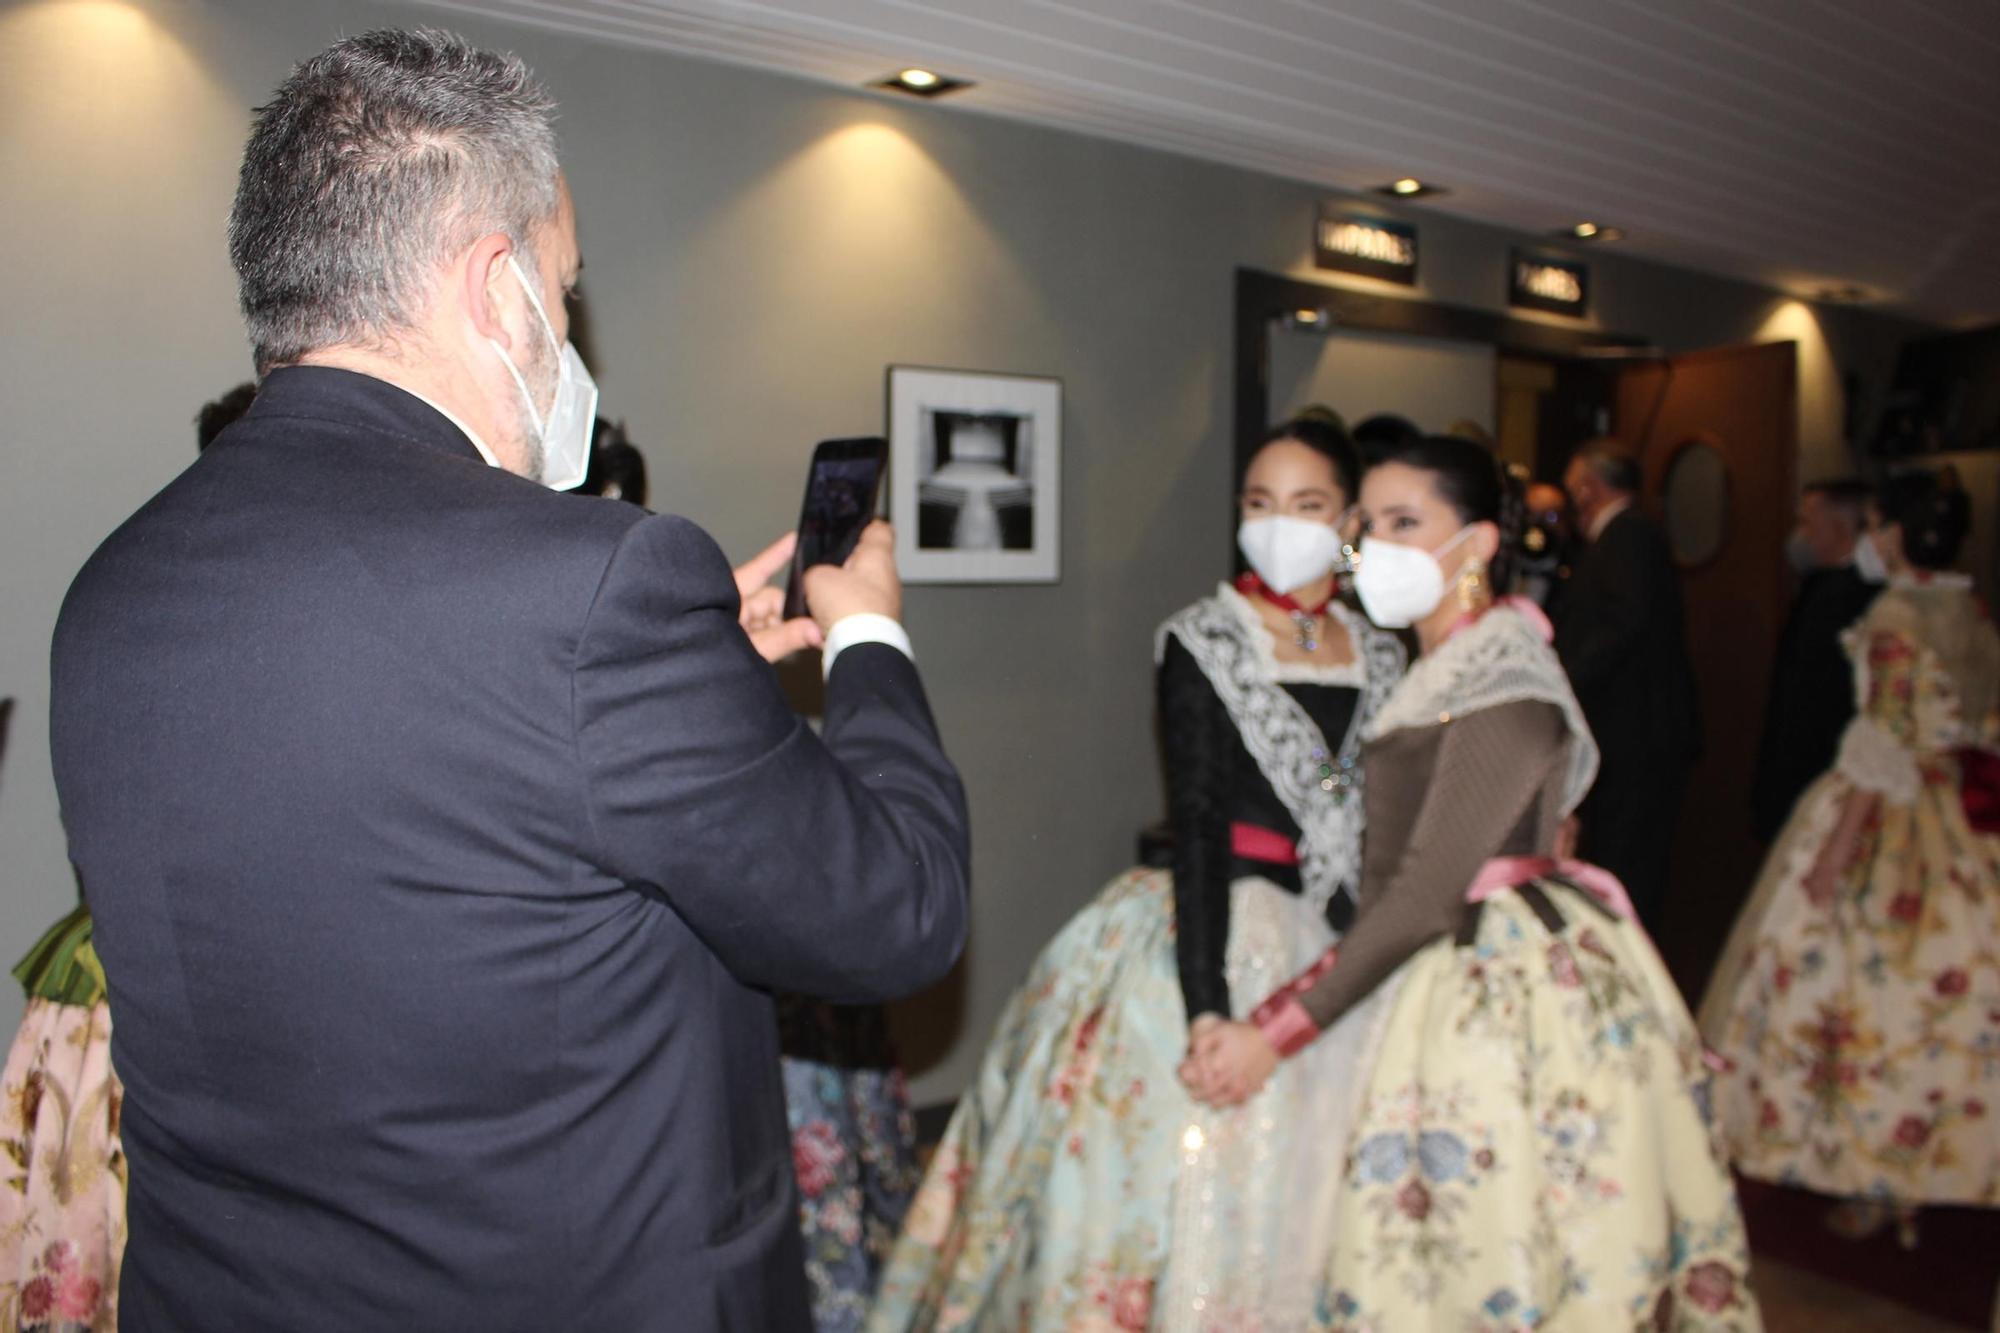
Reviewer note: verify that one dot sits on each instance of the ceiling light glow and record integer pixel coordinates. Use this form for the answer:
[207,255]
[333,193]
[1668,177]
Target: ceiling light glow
[918,81]
[1409,187]
[1592,231]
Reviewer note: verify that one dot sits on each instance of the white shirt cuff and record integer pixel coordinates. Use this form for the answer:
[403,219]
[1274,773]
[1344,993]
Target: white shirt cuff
[863,628]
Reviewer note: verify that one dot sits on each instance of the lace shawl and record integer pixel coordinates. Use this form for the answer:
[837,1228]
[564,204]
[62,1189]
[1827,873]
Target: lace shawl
[1499,659]
[1318,784]
[1949,698]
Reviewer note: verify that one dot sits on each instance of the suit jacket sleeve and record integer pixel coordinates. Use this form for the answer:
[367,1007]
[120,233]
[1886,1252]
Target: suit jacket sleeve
[1604,623]
[834,867]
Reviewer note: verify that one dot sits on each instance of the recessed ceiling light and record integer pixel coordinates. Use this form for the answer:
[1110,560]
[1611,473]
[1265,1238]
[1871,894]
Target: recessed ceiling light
[920,82]
[1593,231]
[1409,187]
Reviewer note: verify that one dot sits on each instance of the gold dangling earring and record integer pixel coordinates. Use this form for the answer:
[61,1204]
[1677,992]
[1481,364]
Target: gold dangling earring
[1473,594]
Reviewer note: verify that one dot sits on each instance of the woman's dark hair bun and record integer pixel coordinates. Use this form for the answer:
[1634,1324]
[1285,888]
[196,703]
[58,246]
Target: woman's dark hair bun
[1934,519]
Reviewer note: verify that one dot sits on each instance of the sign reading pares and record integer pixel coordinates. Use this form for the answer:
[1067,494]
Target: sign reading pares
[1370,246]
[1541,282]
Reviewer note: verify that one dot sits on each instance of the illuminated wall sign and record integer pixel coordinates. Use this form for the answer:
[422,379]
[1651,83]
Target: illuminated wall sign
[1538,282]
[1372,247]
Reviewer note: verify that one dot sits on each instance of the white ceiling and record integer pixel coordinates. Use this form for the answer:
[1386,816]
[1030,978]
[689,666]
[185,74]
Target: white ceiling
[1802,143]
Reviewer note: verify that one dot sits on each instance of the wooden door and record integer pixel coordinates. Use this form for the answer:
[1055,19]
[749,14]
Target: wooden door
[1740,403]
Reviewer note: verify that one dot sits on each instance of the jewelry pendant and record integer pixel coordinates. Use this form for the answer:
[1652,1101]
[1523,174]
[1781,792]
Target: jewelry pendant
[1307,636]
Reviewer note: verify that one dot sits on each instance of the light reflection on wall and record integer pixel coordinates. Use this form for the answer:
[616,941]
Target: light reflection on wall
[866,221]
[119,133]
[1822,445]
[120,86]
[118,147]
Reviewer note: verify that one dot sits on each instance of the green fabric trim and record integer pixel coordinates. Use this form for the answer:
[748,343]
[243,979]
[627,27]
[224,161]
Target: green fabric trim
[63,965]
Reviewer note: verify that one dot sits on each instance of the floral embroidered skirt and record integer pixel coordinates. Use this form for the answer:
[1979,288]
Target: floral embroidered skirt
[1534,1151]
[1864,1037]
[62,1214]
[854,1151]
[1079,1188]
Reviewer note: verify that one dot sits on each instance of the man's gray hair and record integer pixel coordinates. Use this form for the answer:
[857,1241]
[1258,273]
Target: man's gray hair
[377,161]
[1846,496]
[1613,464]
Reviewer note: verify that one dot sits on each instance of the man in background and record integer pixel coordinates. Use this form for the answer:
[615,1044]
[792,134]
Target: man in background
[445,833]
[221,413]
[1623,642]
[1812,682]
[617,468]
[1542,564]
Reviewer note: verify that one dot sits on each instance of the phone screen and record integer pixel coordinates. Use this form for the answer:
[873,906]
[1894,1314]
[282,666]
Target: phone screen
[841,491]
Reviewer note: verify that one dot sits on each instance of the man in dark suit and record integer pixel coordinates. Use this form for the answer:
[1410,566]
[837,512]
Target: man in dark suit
[445,833]
[1622,640]
[1812,681]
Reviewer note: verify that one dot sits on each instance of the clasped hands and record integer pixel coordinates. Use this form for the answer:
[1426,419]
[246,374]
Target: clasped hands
[1228,1062]
[866,583]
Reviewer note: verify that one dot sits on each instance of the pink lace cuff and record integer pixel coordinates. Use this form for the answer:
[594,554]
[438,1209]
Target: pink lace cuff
[1285,1024]
[1283,1018]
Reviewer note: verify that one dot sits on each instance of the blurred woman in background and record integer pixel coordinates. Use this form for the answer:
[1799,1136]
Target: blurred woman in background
[1858,1001]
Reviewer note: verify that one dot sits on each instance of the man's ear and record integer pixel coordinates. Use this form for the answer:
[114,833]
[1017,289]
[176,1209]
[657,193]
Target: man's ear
[482,275]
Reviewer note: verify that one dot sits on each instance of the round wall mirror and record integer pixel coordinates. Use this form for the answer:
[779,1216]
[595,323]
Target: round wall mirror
[1696,493]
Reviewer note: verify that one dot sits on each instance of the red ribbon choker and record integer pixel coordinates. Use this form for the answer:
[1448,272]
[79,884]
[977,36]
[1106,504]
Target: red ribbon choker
[1251,586]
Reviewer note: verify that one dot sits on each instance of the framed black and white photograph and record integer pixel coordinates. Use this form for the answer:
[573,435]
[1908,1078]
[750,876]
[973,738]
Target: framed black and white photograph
[975,475]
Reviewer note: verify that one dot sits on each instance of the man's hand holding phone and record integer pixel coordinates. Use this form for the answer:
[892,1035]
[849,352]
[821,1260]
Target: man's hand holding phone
[763,612]
[867,584]
[842,488]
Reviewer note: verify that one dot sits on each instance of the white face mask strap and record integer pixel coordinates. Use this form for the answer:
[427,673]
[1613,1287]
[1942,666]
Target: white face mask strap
[1454,540]
[536,301]
[527,395]
[534,413]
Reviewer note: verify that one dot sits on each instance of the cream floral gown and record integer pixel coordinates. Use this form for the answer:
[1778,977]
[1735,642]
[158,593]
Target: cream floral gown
[1532,1149]
[1863,1038]
[62,1207]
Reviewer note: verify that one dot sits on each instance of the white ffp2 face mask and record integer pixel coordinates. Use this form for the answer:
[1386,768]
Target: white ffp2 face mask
[1868,561]
[565,435]
[1287,552]
[1400,585]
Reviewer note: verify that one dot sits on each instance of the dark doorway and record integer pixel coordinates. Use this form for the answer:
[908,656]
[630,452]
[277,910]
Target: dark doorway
[1717,433]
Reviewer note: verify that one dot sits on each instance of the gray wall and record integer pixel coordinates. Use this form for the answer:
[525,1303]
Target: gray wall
[1433,381]
[759,250]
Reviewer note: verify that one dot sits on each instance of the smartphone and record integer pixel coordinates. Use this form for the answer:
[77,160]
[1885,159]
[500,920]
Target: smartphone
[843,488]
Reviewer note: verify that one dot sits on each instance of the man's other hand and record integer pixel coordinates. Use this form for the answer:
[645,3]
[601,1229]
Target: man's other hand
[866,585]
[763,613]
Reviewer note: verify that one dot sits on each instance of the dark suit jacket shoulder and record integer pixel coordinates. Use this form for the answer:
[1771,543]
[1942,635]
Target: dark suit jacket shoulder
[1623,641]
[443,834]
[1811,699]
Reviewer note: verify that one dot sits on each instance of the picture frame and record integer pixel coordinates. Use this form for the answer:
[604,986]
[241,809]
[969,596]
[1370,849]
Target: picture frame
[975,475]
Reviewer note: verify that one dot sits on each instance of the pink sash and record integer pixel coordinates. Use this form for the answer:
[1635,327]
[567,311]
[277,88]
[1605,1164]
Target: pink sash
[1507,872]
[1284,1020]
